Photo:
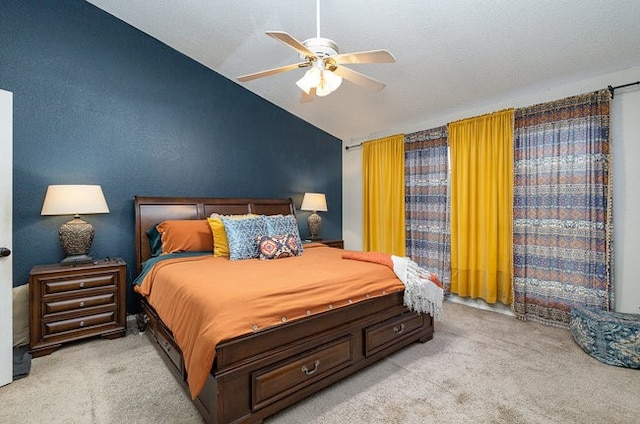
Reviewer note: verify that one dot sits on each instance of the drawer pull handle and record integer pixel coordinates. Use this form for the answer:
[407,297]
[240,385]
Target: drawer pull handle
[166,346]
[81,323]
[399,330]
[81,304]
[81,284]
[306,370]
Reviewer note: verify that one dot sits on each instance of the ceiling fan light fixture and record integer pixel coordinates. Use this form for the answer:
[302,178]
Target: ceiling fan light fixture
[325,82]
[322,79]
[310,79]
[328,83]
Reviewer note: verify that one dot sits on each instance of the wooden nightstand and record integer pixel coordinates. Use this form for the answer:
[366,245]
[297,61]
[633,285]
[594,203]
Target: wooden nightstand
[333,243]
[72,302]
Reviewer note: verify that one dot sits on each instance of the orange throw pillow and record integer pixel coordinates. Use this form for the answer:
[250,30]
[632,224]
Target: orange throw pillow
[189,235]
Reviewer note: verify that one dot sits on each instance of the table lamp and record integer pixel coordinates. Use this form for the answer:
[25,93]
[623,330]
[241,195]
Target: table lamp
[314,202]
[76,235]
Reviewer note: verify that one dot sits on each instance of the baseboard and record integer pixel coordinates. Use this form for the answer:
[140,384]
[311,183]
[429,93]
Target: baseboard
[481,304]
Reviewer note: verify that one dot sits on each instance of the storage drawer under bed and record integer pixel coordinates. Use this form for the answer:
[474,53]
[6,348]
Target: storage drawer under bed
[169,347]
[163,337]
[387,333]
[280,380]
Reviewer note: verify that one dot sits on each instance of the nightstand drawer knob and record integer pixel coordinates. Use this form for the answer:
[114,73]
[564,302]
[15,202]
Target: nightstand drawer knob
[81,304]
[81,323]
[82,284]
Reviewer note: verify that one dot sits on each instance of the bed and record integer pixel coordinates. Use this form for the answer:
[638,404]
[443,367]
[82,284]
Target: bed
[255,374]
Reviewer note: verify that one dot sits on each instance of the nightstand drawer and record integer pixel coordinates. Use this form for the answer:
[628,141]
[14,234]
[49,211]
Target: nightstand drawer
[56,327]
[79,304]
[55,286]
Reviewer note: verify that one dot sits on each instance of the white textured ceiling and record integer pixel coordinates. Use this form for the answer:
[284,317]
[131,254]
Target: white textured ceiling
[449,53]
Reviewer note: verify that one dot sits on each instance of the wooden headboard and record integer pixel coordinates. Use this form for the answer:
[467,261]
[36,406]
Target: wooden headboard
[151,211]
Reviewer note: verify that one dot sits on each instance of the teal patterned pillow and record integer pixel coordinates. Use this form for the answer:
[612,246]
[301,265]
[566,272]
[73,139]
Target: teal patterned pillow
[242,235]
[278,225]
[277,247]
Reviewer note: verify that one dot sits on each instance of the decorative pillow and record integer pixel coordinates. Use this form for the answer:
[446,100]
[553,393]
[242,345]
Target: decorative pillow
[277,247]
[284,224]
[220,242]
[242,235]
[155,241]
[189,235]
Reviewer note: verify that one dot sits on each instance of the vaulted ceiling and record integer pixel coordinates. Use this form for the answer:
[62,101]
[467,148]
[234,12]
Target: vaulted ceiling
[449,53]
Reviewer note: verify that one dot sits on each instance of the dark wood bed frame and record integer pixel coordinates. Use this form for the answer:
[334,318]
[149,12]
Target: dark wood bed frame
[258,374]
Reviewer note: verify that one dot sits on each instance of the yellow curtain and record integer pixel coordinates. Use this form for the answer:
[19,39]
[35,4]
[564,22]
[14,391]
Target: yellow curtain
[482,207]
[383,195]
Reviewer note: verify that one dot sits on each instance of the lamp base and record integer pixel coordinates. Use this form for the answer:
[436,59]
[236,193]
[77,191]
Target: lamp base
[76,237]
[76,259]
[314,222]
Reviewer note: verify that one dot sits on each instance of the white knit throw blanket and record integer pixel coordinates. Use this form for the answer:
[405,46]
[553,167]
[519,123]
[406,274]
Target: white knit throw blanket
[421,293]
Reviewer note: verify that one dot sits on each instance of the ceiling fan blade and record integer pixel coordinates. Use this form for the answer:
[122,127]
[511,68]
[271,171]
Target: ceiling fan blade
[306,98]
[269,72]
[292,42]
[358,78]
[372,56]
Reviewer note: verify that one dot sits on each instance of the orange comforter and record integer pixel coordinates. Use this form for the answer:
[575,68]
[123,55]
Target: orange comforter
[205,299]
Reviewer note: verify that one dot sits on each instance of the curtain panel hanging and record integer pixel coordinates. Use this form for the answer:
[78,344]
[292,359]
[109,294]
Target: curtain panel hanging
[482,207]
[383,195]
[426,166]
[562,208]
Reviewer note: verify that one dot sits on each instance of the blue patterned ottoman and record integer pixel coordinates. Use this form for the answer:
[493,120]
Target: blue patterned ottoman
[610,337]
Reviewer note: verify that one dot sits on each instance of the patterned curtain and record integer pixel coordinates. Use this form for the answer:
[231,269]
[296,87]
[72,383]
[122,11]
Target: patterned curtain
[426,201]
[562,208]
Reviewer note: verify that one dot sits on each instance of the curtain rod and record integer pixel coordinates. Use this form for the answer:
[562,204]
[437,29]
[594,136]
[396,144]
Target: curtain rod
[352,146]
[612,89]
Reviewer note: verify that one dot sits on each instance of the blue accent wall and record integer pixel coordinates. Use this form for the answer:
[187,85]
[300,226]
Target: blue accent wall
[99,102]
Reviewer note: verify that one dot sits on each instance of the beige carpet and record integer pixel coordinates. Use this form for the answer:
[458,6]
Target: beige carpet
[481,367]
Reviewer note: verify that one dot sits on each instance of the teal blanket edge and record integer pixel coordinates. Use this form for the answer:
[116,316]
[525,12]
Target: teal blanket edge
[150,263]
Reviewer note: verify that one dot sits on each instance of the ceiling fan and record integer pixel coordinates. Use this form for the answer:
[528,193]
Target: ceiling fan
[325,64]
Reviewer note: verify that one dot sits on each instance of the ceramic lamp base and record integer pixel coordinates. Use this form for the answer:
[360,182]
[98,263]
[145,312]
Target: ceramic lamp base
[76,237]
[314,222]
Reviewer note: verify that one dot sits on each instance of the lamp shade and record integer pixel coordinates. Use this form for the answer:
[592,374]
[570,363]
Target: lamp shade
[314,202]
[74,200]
